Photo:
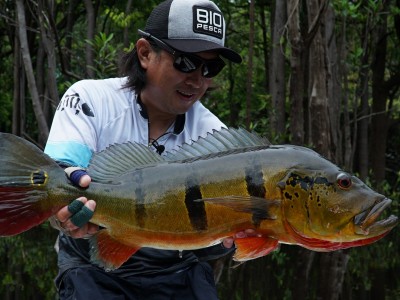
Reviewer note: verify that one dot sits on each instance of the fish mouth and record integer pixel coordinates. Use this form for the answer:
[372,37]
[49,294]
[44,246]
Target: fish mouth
[367,222]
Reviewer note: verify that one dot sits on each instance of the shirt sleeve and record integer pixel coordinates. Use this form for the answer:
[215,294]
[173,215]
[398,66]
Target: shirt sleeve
[73,134]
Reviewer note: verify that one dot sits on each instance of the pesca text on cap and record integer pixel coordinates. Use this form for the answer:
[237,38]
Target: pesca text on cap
[208,20]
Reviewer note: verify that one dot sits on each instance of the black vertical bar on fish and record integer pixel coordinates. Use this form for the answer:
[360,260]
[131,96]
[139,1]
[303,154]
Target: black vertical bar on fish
[196,209]
[255,187]
[140,208]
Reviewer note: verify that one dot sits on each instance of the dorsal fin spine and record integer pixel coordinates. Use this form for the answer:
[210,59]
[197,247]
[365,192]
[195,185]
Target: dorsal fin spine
[218,141]
[116,160]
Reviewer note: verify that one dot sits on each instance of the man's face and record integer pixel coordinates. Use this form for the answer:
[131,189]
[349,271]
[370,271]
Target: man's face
[170,91]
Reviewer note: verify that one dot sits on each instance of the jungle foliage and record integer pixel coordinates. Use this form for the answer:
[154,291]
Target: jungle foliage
[320,73]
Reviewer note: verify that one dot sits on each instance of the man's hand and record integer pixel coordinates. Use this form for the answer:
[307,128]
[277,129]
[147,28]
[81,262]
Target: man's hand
[229,242]
[73,219]
[78,176]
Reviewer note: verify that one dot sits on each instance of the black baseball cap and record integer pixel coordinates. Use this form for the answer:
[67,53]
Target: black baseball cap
[190,26]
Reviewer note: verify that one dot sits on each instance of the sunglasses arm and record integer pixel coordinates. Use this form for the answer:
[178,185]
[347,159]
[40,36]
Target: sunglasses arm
[159,42]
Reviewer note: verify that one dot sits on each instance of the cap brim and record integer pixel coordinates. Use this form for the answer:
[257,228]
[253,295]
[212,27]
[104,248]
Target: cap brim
[192,46]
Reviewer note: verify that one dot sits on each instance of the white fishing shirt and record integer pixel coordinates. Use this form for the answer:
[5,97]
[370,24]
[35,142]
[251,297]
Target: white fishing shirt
[94,114]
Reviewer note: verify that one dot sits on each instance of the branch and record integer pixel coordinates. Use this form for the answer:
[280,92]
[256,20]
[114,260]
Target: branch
[313,29]
[60,51]
[372,115]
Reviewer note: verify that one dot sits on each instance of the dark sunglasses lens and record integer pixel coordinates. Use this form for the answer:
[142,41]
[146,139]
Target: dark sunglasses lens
[187,64]
[212,68]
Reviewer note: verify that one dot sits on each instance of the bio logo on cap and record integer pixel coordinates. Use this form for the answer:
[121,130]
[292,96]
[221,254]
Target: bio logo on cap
[208,21]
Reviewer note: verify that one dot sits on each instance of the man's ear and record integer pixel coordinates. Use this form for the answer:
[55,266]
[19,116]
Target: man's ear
[144,50]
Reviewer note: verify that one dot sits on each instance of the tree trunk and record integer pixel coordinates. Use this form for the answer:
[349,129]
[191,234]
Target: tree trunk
[363,94]
[234,109]
[48,42]
[66,55]
[91,25]
[318,87]
[379,121]
[40,118]
[378,290]
[265,28]
[19,89]
[39,71]
[249,83]
[334,90]
[333,266]
[296,82]
[300,282]
[323,135]
[277,71]
[127,29]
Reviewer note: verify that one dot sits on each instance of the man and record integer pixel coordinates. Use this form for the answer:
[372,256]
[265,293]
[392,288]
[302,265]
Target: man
[156,103]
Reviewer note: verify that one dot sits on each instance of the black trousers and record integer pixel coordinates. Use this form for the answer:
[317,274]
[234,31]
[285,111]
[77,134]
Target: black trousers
[196,282]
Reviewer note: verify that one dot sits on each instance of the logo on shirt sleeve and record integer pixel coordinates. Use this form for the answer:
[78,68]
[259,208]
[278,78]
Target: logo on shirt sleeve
[73,101]
[208,21]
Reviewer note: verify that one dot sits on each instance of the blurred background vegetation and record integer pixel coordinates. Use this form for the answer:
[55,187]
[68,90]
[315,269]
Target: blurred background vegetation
[320,73]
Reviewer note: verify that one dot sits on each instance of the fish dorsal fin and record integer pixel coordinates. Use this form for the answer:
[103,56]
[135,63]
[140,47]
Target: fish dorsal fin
[224,140]
[118,159]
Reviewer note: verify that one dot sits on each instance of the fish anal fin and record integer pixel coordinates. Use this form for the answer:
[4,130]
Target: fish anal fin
[107,252]
[253,247]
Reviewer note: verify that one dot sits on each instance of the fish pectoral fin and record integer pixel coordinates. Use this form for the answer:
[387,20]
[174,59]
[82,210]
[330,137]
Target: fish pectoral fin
[260,208]
[107,252]
[253,247]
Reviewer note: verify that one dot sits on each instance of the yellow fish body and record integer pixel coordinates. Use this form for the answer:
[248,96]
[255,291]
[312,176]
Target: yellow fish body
[193,198]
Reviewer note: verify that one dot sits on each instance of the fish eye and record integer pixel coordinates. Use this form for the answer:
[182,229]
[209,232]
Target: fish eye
[344,181]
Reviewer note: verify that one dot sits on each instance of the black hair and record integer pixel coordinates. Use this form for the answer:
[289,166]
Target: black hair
[131,68]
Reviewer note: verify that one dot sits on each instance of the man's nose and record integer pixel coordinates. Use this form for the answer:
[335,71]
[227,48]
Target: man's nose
[195,79]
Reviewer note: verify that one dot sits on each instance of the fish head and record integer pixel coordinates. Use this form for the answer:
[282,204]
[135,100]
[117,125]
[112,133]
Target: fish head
[329,209]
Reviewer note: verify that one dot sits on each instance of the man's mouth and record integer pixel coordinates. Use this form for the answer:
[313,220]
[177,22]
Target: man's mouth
[185,94]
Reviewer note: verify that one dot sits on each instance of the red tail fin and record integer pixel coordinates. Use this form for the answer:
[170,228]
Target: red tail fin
[24,174]
[20,209]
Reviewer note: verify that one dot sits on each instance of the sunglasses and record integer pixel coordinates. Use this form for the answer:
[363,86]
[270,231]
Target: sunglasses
[186,62]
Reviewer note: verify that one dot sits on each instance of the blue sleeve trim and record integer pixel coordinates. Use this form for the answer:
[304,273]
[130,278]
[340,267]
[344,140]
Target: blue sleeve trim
[72,153]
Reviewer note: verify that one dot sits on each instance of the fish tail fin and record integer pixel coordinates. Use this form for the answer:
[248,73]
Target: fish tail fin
[20,210]
[24,174]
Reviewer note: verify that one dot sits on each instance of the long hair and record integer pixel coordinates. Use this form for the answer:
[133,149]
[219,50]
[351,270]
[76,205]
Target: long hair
[131,68]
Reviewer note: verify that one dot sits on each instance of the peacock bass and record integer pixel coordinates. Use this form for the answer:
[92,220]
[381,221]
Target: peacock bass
[192,198]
